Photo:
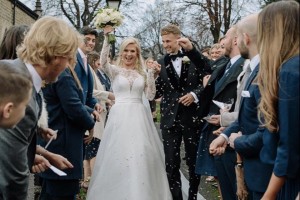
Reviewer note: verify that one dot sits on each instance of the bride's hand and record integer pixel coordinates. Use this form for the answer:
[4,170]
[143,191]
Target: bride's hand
[108,29]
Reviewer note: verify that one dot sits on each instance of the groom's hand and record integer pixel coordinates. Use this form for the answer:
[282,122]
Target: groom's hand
[185,43]
[187,99]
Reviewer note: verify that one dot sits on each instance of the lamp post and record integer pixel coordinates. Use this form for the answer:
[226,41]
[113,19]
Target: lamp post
[113,4]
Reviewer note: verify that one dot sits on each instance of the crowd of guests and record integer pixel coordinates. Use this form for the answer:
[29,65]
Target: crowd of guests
[234,105]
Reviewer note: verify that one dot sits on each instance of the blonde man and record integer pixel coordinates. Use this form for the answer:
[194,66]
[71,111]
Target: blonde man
[48,48]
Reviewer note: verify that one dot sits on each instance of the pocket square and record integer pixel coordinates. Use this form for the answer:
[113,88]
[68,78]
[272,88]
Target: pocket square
[245,93]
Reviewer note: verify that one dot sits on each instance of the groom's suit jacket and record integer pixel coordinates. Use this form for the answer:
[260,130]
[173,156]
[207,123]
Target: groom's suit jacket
[17,147]
[171,87]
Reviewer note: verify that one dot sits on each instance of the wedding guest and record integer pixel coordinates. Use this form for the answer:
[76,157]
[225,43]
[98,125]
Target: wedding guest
[220,87]
[129,163]
[86,45]
[214,51]
[180,84]
[68,115]
[278,81]
[148,62]
[245,133]
[205,52]
[104,79]
[15,93]
[104,97]
[48,47]
[13,37]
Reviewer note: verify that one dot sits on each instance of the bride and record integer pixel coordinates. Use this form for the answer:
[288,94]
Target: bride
[130,160]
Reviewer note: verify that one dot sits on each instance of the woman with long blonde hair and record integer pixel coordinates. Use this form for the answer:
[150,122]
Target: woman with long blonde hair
[278,79]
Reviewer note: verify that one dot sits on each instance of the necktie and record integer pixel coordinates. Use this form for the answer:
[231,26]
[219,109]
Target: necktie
[220,81]
[174,56]
[227,67]
[246,76]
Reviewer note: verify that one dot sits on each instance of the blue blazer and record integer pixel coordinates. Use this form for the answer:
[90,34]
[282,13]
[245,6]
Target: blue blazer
[87,83]
[257,174]
[69,116]
[283,148]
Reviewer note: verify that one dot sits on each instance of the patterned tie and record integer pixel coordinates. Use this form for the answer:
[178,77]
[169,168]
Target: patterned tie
[246,76]
[220,81]
[227,67]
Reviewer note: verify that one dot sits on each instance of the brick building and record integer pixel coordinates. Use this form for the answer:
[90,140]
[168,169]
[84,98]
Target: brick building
[14,12]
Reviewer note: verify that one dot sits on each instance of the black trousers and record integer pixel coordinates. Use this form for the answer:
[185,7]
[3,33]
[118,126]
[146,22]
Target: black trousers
[172,139]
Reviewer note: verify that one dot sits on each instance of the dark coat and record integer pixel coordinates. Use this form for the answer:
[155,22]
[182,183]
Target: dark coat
[225,92]
[70,117]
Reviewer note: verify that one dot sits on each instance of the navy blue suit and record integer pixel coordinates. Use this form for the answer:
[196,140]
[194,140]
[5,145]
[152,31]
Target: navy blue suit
[257,174]
[282,149]
[70,117]
[86,80]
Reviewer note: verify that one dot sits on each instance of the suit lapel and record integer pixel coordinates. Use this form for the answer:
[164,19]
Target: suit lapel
[248,83]
[170,72]
[80,61]
[184,74]
[230,76]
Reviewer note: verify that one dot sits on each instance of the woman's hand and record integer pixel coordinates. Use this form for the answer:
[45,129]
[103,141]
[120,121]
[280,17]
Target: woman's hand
[108,29]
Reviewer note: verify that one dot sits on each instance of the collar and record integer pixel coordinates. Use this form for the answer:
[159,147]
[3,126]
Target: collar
[254,62]
[36,78]
[82,55]
[234,59]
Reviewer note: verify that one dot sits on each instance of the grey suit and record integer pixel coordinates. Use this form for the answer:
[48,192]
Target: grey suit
[15,157]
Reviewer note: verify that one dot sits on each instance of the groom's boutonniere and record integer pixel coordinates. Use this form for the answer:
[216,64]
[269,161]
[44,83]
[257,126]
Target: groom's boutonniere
[186,60]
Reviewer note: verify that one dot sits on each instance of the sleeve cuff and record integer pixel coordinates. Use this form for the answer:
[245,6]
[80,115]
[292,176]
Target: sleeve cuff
[195,97]
[225,136]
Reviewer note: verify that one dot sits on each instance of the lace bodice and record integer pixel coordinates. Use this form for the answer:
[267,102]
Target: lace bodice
[127,83]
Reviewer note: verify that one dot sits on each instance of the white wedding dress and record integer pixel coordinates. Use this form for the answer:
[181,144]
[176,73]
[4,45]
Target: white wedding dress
[130,160]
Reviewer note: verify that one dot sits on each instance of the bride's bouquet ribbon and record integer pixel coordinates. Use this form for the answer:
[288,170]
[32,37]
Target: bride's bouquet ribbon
[108,16]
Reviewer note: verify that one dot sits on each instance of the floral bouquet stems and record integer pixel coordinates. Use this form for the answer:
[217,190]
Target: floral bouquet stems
[108,16]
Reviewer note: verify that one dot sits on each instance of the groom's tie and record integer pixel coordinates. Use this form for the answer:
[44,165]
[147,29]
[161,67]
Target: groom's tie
[178,55]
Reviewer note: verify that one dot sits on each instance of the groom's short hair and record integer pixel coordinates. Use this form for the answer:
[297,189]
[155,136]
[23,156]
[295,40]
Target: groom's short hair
[170,29]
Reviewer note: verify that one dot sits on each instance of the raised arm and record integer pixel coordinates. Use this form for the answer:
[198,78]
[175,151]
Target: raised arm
[109,69]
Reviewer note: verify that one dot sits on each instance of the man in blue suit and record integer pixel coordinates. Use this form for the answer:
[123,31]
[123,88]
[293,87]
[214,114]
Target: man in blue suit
[244,134]
[82,70]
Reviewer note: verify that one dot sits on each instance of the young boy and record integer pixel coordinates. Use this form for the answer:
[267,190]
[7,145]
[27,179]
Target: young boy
[15,92]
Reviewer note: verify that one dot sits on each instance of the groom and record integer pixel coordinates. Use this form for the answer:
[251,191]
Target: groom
[180,84]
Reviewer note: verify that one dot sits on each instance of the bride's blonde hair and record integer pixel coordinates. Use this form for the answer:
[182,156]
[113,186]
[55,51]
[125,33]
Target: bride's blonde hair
[139,65]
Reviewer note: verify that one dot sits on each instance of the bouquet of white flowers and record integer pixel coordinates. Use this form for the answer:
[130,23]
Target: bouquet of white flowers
[108,16]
